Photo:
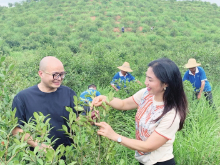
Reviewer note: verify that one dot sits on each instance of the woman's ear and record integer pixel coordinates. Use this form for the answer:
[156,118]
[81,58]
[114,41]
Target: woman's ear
[165,85]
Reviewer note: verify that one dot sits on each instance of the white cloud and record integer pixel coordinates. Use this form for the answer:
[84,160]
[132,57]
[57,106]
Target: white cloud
[5,2]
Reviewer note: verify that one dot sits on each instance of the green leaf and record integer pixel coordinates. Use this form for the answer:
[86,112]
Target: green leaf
[23,145]
[22,139]
[36,149]
[62,149]
[75,100]
[47,121]
[82,119]
[2,153]
[79,108]
[4,72]
[2,59]
[49,155]
[2,76]
[10,67]
[69,109]
[40,161]
[17,141]
[61,162]
[44,130]
[15,149]
[64,128]
[36,115]
[41,114]
[104,113]
[110,96]
[122,162]
[72,163]
[72,117]
[3,131]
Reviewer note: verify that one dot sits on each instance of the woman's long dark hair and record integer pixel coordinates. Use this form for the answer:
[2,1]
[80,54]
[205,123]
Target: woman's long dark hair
[174,96]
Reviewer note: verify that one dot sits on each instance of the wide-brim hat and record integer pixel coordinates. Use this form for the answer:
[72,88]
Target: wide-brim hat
[192,63]
[125,67]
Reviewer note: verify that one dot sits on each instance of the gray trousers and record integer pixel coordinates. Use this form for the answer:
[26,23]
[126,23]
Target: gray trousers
[208,96]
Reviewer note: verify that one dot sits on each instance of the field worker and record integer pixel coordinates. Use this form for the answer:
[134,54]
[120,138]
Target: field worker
[92,90]
[123,75]
[161,112]
[197,77]
[123,29]
[48,97]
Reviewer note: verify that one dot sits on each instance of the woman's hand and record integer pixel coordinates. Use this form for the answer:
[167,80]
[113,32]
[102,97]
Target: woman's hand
[97,101]
[107,131]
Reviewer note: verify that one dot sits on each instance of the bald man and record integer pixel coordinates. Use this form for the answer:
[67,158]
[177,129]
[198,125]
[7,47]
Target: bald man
[48,97]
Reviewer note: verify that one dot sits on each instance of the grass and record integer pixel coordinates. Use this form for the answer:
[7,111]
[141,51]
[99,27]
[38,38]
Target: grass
[199,141]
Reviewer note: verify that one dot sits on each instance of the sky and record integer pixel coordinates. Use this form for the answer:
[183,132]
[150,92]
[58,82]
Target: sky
[211,1]
[5,2]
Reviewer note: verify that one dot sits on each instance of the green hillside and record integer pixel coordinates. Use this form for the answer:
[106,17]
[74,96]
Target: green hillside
[87,28]
[86,36]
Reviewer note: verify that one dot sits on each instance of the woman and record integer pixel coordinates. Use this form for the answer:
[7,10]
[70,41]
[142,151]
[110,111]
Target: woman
[162,109]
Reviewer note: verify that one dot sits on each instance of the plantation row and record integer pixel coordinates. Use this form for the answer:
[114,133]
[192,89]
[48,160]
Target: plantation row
[31,25]
[86,36]
[201,128]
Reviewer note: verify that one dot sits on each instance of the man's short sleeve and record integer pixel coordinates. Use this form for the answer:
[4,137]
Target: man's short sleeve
[132,78]
[98,93]
[20,110]
[203,75]
[185,77]
[137,96]
[168,125]
[116,77]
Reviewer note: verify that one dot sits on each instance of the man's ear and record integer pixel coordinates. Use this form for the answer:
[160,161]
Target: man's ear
[40,73]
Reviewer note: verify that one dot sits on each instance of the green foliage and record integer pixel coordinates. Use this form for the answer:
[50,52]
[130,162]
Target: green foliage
[86,36]
[5,95]
[188,88]
[84,137]
[131,88]
[198,136]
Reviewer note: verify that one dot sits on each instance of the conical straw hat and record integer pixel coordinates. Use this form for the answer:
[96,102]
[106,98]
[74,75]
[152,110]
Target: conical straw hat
[125,67]
[192,63]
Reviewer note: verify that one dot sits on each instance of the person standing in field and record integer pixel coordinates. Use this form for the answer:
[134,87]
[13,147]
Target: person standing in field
[123,75]
[161,111]
[197,77]
[123,29]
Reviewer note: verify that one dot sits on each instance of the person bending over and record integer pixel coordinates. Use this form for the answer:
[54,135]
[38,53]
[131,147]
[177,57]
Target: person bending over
[123,75]
[197,77]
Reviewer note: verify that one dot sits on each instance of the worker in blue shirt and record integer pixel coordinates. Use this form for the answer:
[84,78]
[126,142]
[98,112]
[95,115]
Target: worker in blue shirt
[123,29]
[197,77]
[123,75]
[91,91]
